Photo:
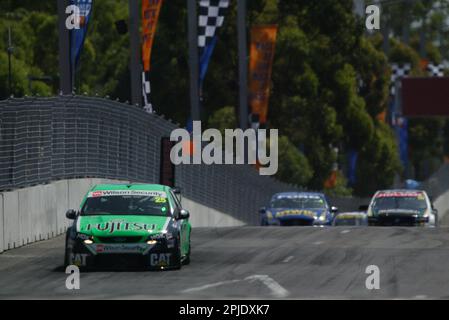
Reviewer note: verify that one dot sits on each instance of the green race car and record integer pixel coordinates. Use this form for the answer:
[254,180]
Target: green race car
[134,225]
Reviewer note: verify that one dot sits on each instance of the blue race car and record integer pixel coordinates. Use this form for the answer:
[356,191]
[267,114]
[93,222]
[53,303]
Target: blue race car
[297,209]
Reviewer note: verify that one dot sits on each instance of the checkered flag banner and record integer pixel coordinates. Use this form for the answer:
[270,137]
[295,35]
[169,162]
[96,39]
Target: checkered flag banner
[398,72]
[211,17]
[146,90]
[435,70]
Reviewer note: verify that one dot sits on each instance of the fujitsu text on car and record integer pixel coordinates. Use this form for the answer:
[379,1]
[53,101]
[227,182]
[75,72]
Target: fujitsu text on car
[400,207]
[122,226]
[297,209]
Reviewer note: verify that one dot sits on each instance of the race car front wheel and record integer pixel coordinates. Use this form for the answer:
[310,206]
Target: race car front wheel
[177,263]
[187,258]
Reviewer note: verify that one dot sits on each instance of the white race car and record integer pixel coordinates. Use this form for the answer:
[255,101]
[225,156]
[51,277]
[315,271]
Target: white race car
[399,207]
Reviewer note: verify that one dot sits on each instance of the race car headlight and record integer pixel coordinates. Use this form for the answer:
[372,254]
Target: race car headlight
[154,238]
[86,239]
[322,217]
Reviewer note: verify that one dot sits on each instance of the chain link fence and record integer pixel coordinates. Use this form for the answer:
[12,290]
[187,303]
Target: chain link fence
[48,139]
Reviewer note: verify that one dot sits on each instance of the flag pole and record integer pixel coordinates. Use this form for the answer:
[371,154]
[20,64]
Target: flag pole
[193,60]
[135,65]
[65,77]
[243,63]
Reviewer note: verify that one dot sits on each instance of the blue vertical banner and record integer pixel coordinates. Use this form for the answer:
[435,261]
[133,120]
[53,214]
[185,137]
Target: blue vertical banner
[400,126]
[78,35]
[205,58]
[210,19]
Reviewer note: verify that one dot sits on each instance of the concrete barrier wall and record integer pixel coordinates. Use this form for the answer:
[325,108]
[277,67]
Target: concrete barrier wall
[202,216]
[441,203]
[2,240]
[38,213]
[437,186]
[11,220]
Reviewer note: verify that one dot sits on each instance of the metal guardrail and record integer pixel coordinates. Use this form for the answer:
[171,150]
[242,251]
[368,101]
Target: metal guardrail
[47,139]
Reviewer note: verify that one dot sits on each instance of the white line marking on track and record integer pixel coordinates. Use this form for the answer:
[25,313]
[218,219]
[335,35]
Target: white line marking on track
[289,258]
[276,289]
[317,243]
[208,286]
[18,256]
[345,231]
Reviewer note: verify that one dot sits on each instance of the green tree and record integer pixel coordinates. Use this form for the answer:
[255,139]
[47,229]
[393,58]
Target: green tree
[223,118]
[294,167]
[329,82]
[378,162]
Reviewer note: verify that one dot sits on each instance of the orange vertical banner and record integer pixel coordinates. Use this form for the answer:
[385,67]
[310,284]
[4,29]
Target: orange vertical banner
[263,42]
[331,182]
[150,16]
[382,116]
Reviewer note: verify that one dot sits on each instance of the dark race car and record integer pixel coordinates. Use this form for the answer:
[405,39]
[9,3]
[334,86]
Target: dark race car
[297,209]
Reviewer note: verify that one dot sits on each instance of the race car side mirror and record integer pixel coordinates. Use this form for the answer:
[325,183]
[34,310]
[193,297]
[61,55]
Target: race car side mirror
[176,190]
[183,214]
[334,209]
[71,214]
[262,210]
[363,207]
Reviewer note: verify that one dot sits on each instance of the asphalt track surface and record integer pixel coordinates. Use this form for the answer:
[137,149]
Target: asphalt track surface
[254,263]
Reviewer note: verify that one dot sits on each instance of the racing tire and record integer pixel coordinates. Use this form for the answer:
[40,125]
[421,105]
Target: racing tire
[187,258]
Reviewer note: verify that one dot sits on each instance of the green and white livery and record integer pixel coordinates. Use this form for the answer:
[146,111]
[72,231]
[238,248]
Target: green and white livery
[135,225]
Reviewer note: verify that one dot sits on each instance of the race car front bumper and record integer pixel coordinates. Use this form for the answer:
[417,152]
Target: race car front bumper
[398,220]
[297,221]
[159,255]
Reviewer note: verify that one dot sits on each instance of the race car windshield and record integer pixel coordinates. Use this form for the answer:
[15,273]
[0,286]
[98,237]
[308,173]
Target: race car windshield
[299,202]
[126,205]
[408,203]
